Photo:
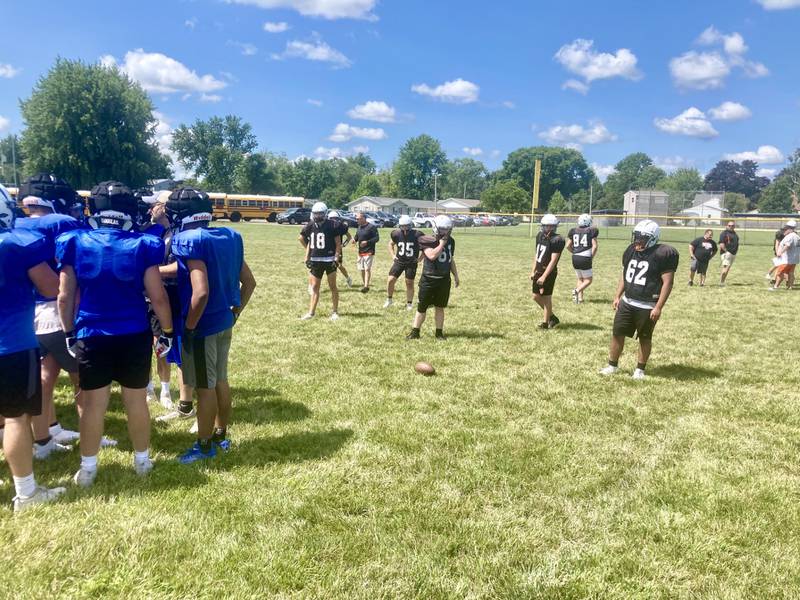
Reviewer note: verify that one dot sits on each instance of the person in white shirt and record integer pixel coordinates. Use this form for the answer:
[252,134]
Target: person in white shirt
[788,252]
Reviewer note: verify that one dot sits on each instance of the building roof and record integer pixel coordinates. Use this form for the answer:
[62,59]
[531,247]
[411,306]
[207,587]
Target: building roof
[465,202]
[386,202]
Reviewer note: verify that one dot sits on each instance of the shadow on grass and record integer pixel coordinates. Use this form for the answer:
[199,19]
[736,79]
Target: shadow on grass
[680,372]
[288,448]
[359,315]
[474,335]
[579,327]
[598,301]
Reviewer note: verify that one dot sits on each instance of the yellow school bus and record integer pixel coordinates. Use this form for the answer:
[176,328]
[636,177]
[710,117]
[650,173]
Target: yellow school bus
[237,207]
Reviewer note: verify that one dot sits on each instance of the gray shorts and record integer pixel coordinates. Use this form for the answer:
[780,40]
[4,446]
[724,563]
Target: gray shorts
[207,363]
[55,344]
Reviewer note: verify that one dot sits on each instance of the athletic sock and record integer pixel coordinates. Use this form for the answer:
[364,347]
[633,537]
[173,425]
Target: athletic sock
[205,445]
[220,433]
[641,366]
[141,457]
[185,406]
[89,463]
[43,441]
[25,486]
[165,387]
[613,363]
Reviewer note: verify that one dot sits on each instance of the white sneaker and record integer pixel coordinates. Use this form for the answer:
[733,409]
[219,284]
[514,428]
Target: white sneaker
[43,452]
[166,401]
[307,316]
[409,306]
[334,317]
[638,375]
[350,282]
[608,370]
[85,478]
[193,428]
[143,468]
[388,303]
[575,296]
[151,392]
[175,414]
[107,442]
[66,436]
[40,496]
[772,289]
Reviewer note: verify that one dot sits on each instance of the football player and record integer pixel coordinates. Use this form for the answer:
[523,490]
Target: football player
[648,274]
[346,238]
[107,270]
[215,285]
[24,269]
[322,240]
[701,251]
[549,246]
[582,242]
[434,285]
[404,249]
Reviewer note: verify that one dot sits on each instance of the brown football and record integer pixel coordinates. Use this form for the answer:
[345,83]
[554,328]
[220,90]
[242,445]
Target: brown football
[424,368]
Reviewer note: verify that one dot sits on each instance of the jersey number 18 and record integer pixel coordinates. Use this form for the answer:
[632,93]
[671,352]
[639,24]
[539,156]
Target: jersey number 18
[317,241]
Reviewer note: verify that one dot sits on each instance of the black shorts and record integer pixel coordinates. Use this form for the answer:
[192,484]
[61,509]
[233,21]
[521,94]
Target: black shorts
[21,384]
[433,292]
[121,358]
[631,320]
[549,283]
[398,268]
[318,269]
[700,266]
[581,263]
[55,344]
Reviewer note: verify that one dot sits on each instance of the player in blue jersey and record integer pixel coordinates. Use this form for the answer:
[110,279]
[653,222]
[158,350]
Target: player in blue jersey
[112,266]
[215,285]
[23,270]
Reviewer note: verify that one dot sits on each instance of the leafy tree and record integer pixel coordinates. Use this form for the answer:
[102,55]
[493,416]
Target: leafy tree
[777,197]
[684,180]
[308,178]
[364,161]
[579,202]
[466,178]
[792,174]
[558,204]
[506,196]
[634,172]
[337,196]
[736,203]
[388,182]
[214,149]
[731,176]
[563,169]
[370,185]
[9,149]
[90,123]
[255,175]
[419,158]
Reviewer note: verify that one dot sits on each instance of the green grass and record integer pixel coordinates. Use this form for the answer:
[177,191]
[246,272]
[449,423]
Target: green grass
[516,472]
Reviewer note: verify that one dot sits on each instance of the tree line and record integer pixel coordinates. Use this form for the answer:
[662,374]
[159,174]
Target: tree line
[90,123]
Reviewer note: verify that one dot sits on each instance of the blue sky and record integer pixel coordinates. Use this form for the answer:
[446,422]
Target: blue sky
[688,82]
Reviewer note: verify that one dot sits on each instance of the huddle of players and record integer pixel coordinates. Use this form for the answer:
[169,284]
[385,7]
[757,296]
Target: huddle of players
[648,273]
[322,239]
[93,282]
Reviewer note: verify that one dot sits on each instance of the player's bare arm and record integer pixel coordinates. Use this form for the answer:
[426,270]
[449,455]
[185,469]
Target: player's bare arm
[154,286]
[68,284]
[338,240]
[618,293]
[247,284]
[454,271]
[569,246]
[198,275]
[44,279]
[303,241]
[392,249]
[169,271]
[433,253]
[667,280]
[594,247]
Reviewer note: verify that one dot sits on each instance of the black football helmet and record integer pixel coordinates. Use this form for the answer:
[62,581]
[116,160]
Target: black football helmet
[47,190]
[187,206]
[112,204]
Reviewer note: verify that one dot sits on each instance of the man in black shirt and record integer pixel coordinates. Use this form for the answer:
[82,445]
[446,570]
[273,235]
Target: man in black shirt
[322,240]
[648,273]
[702,250]
[366,238]
[728,247]
[346,237]
[549,246]
[404,248]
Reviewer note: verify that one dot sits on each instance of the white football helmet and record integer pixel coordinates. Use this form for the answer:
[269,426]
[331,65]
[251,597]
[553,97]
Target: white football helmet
[334,214]
[405,221]
[585,220]
[319,212]
[549,220]
[647,233]
[442,225]
[7,209]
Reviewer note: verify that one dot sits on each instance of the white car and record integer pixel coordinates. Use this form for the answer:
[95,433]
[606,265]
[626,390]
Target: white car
[422,220]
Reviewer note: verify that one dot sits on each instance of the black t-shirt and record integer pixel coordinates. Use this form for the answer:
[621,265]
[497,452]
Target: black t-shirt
[367,233]
[731,241]
[546,247]
[407,246]
[582,239]
[321,237]
[642,271]
[704,249]
[440,268]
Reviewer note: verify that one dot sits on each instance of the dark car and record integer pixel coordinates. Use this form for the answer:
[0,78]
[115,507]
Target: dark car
[388,219]
[348,218]
[294,216]
[462,221]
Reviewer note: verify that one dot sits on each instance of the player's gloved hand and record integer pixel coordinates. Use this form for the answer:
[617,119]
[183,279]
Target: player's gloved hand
[188,340]
[72,343]
[164,343]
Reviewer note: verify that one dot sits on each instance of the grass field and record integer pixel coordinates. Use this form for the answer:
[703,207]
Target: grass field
[516,472]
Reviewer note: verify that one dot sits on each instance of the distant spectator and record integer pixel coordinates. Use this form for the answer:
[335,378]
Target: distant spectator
[702,250]
[366,237]
[789,254]
[776,262]
[728,247]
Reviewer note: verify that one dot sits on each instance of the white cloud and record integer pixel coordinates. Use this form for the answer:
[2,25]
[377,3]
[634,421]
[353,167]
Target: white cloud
[373,110]
[344,133]
[670,163]
[779,4]
[708,70]
[4,124]
[280,27]
[7,71]
[765,155]
[325,153]
[509,104]
[770,173]
[574,136]
[163,138]
[692,123]
[313,102]
[190,23]
[583,60]
[730,111]
[161,74]
[458,91]
[326,9]
[472,151]
[213,98]
[315,50]
[602,171]
[245,48]
[360,149]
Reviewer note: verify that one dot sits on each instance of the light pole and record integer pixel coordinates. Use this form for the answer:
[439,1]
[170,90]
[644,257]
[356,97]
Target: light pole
[435,192]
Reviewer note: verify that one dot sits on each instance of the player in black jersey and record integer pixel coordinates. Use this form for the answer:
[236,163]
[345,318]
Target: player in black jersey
[648,274]
[549,246]
[404,248]
[346,237]
[434,285]
[322,240]
[582,242]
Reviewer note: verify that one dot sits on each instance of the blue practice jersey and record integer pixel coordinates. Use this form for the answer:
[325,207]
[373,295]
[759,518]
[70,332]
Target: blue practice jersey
[110,265]
[20,250]
[222,251]
[50,226]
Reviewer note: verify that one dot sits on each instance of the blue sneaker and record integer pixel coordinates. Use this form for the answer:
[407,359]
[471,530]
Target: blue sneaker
[194,454]
[224,445]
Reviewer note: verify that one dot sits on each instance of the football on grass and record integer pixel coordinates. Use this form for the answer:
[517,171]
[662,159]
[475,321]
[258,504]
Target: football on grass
[424,368]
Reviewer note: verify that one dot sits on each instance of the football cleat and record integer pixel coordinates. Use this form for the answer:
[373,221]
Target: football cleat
[224,445]
[414,335]
[638,374]
[176,414]
[193,428]
[66,436]
[166,401]
[544,325]
[608,370]
[575,296]
[40,496]
[553,322]
[409,306]
[691,283]
[440,336]
[307,316]
[388,303]
[334,317]
[42,452]
[151,392]
[85,478]
[195,454]
[143,468]
[364,290]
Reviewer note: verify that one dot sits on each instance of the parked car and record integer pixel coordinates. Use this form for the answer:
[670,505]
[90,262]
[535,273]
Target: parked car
[388,219]
[374,218]
[481,221]
[348,219]
[294,216]
[422,220]
[462,220]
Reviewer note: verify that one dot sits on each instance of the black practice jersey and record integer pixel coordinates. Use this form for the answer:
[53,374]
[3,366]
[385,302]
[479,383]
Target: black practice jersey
[582,239]
[440,268]
[546,247]
[407,245]
[642,271]
[321,237]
